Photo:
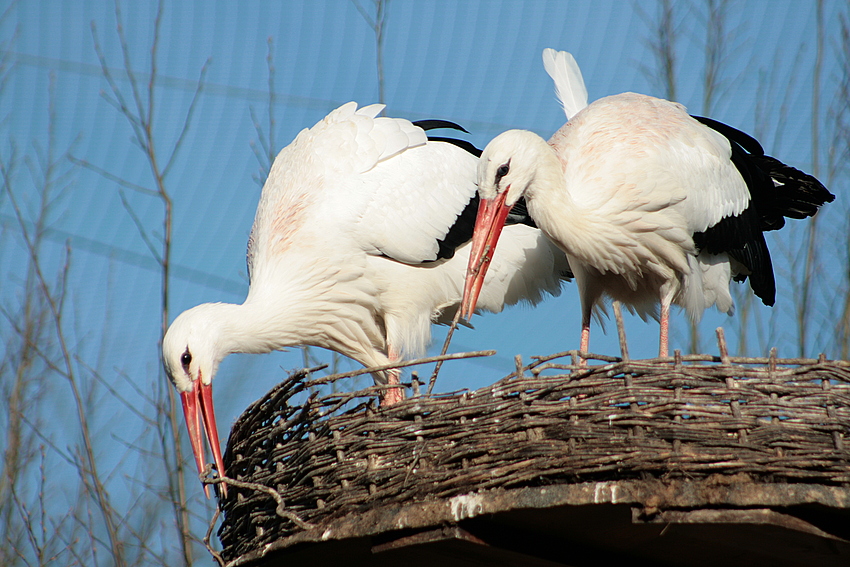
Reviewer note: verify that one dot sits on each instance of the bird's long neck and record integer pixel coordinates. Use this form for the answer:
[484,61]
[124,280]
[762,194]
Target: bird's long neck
[549,201]
[255,328]
[328,308]
[577,227]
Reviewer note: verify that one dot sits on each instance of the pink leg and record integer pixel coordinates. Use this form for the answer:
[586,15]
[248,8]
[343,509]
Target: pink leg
[393,396]
[663,343]
[585,339]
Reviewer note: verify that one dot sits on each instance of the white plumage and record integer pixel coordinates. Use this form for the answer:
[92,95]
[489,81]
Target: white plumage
[569,84]
[649,204]
[357,246]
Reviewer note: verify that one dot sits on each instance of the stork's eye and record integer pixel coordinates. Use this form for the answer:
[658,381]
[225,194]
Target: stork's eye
[502,171]
[186,359]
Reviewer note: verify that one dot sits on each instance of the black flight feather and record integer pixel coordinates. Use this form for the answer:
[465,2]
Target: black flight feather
[777,191]
[461,231]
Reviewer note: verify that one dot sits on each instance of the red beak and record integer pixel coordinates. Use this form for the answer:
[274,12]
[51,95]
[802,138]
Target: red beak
[488,226]
[198,405]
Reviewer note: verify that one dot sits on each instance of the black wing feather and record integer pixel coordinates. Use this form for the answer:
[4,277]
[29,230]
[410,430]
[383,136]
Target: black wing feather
[436,123]
[461,231]
[777,191]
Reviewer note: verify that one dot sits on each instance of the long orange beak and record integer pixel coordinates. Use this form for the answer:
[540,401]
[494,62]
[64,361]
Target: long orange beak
[197,406]
[488,226]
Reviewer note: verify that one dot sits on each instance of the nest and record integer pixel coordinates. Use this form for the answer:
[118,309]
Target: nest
[298,465]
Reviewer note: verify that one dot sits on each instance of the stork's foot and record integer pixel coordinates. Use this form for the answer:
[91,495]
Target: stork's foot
[392,397]
[584,343]
[395,395]
[664,338]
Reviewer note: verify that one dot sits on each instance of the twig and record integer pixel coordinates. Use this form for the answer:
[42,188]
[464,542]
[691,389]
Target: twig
[141,120]
[208,536]
[721,344]
[377,25]
[443,351]
[427,360]
[87,468]
[143,417]
[518,365]
[112,177]
[188,120]
[140,227]
[621,330]
[485,257]
[281,508]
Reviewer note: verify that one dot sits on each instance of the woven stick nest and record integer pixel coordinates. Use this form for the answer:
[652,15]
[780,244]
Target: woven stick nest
[298,465]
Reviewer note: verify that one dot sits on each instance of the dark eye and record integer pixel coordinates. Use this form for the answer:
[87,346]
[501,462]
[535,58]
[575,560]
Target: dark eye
[186,359]
[502,171]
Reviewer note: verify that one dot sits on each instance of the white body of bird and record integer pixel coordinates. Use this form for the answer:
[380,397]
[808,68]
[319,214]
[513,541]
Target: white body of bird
[643,177]
[345,254]
[649,204]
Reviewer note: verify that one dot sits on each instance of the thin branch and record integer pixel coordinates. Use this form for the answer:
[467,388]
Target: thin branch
[142,121]
[452,327]
[187,120]
[121,103]
[662,44]
[152,77]
[377,25]
[114,178]
[208,536]
[54,301]
[140,227]
[716,45]
[427,360]
[804,306]
[131,407]
[270,149]
[281,505]
[364,13]
[128,69]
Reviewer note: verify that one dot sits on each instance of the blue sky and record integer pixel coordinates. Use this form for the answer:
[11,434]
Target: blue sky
[477,63]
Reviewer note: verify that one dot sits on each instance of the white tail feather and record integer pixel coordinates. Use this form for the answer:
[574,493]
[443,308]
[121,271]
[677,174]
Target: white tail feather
[569,84]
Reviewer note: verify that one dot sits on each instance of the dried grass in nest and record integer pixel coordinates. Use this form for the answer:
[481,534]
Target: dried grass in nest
[551,421]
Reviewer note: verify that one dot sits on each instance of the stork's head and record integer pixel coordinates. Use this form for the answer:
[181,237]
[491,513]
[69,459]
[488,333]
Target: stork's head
[510,165]
[191,353]
[507,170]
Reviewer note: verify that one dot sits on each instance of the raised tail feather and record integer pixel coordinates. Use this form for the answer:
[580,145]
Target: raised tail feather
[569,84]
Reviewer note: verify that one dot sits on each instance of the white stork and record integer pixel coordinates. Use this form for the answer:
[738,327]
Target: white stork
[649,204]
[359,244]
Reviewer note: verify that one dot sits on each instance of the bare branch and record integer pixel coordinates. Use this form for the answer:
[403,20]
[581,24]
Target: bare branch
[114,178]
[804,305]
[55,302]
[152,77]
[215,555]
[187,120]
[716,45]
[131,407]
[415,362]
[364,13]
[377,25]
[140,227]
[128,70]
[662,43]
[120,102]
[265,157]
